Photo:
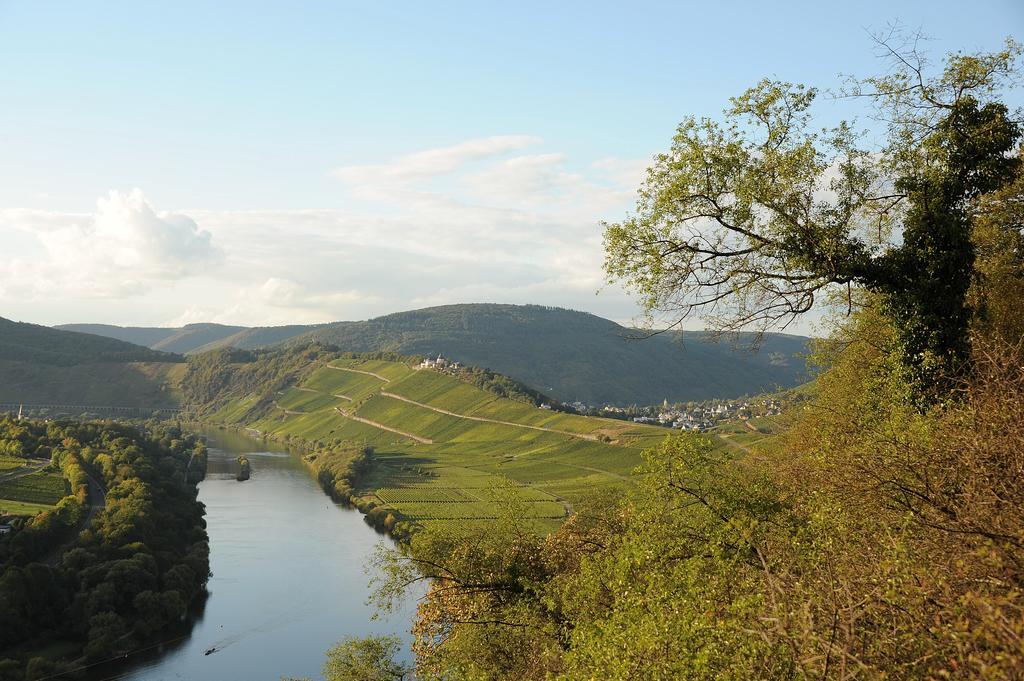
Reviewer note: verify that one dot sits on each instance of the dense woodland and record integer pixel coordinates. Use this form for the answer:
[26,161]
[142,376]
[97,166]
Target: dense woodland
[882,535]
[94,580]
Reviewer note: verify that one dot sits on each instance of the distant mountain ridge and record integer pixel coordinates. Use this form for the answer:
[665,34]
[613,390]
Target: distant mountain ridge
[32,342]
[567,354]
[193,338]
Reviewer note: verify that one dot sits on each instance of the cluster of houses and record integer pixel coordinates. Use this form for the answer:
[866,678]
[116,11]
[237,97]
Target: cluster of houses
[704,416]
[699,417]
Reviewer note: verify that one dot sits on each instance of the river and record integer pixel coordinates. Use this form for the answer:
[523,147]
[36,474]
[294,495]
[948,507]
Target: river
[288,580]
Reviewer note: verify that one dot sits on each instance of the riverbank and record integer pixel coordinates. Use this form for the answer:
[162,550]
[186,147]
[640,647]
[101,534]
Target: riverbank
[337,470]
[288,573]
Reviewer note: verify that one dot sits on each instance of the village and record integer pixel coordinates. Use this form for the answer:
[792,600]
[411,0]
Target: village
[690,416]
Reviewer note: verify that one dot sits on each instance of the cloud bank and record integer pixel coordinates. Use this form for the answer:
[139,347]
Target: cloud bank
[494,219]
[123,249]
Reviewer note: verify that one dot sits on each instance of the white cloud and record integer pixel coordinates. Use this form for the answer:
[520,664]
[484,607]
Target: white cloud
[124,248]
[275,301]
[473,222]
[420,165]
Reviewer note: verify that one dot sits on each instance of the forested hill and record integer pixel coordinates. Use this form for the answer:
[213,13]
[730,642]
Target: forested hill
[569,355]
[40,365]
[578,356]
[34,343]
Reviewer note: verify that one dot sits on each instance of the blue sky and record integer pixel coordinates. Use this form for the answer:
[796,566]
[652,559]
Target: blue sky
[309,161]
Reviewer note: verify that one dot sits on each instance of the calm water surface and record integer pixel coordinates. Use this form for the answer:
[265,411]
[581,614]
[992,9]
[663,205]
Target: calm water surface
[288,575]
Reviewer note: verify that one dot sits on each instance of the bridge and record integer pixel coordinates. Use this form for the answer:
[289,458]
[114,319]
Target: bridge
[103,409]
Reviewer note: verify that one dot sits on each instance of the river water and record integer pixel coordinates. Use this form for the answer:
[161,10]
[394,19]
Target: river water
[288,581]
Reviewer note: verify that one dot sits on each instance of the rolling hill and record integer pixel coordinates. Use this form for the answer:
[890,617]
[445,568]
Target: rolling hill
[445,452]
[579,356]
[569,355]
[40,365]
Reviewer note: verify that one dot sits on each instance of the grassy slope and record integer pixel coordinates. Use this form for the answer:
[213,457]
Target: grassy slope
[457,478]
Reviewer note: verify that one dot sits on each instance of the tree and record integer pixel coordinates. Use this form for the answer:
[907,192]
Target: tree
[750,221]
[370,658]
[365,659]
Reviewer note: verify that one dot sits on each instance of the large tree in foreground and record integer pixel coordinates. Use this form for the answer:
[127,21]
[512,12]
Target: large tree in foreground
[751,220]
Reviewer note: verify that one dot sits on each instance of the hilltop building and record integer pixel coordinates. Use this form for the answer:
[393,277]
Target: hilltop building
[439,363]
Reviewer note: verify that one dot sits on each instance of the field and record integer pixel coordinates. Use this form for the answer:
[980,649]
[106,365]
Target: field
[9,507]
[31,493]
[449,454]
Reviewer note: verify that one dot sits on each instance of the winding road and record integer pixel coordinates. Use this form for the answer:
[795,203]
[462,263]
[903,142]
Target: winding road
[357,371]
[360,419]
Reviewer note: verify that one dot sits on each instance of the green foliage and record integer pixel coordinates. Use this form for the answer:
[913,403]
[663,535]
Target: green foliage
[873,539]
[370,658]
[39,365]
[139,561]
[365,659]
[748,221]
[244,468]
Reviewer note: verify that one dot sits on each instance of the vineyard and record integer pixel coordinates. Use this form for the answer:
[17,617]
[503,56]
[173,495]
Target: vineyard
[447,451]
[44,488]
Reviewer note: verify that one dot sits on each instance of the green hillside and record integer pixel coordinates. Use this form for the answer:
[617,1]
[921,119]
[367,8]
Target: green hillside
[566,354]
[40,365]
[578,356]
[33,343]
[444,451]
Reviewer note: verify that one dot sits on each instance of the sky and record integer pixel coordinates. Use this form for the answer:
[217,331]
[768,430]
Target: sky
[265,163]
